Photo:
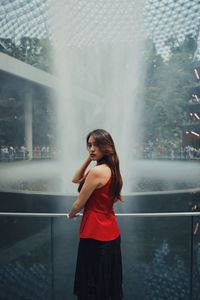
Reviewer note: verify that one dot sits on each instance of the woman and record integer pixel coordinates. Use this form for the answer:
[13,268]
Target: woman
[99,267]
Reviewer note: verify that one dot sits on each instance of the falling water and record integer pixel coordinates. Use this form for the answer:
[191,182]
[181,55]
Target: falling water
[99,68]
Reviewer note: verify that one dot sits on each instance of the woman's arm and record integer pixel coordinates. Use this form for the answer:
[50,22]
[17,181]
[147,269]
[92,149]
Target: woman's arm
[79,175]
[91,183]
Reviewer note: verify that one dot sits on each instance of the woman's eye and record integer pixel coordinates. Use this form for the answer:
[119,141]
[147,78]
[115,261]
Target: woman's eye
[92,145]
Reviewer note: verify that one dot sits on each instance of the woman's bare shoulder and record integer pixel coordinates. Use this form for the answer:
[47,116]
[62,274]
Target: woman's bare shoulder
[96,171]
[101,171]
[99,174]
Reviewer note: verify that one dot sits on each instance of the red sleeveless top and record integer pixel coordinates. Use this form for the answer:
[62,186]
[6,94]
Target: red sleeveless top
[99,221]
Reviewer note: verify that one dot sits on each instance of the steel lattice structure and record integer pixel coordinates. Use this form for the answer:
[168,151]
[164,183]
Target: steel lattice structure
[90,21]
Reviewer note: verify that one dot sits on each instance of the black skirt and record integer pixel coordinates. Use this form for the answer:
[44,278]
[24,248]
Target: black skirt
[98,270]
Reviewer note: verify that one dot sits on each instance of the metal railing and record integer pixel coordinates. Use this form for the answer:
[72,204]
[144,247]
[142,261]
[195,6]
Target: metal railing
[164,214]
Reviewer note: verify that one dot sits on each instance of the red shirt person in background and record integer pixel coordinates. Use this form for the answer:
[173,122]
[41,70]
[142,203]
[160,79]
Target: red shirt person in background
[99,264]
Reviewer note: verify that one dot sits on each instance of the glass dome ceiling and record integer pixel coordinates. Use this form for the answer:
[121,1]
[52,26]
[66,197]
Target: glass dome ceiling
[89,21]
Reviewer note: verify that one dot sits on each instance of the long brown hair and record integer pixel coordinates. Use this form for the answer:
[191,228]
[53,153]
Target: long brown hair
[106,144]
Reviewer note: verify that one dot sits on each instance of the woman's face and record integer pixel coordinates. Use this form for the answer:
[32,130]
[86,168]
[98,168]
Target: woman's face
[93,149]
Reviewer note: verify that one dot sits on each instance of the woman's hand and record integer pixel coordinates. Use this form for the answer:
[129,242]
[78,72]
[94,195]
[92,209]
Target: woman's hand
[80,173]
[69,216]
[75,210]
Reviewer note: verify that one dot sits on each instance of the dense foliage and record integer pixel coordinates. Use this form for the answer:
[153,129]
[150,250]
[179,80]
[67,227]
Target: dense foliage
[34,51]
[167,92]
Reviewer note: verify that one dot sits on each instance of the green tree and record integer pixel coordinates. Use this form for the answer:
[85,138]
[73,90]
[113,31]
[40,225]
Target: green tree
[34,51]
[167,88]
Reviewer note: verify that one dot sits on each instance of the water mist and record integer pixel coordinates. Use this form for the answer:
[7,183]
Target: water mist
[99,76]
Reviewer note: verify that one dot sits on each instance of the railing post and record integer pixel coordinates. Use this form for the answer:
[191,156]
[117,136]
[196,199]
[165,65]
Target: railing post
[191,258]
[52,258]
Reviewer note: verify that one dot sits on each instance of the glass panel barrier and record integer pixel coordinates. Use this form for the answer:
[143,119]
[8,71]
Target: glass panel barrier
[65,251]
[26,258]
[38,257]
[156,254]
[196,258]
[160,246]
[156,257]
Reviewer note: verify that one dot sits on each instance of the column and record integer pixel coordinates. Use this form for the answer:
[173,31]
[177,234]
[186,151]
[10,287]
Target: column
[28,139]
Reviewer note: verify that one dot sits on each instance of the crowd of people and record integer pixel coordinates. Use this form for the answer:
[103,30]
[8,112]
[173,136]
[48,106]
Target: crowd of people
[171,152]
[147,151]
[14,153]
